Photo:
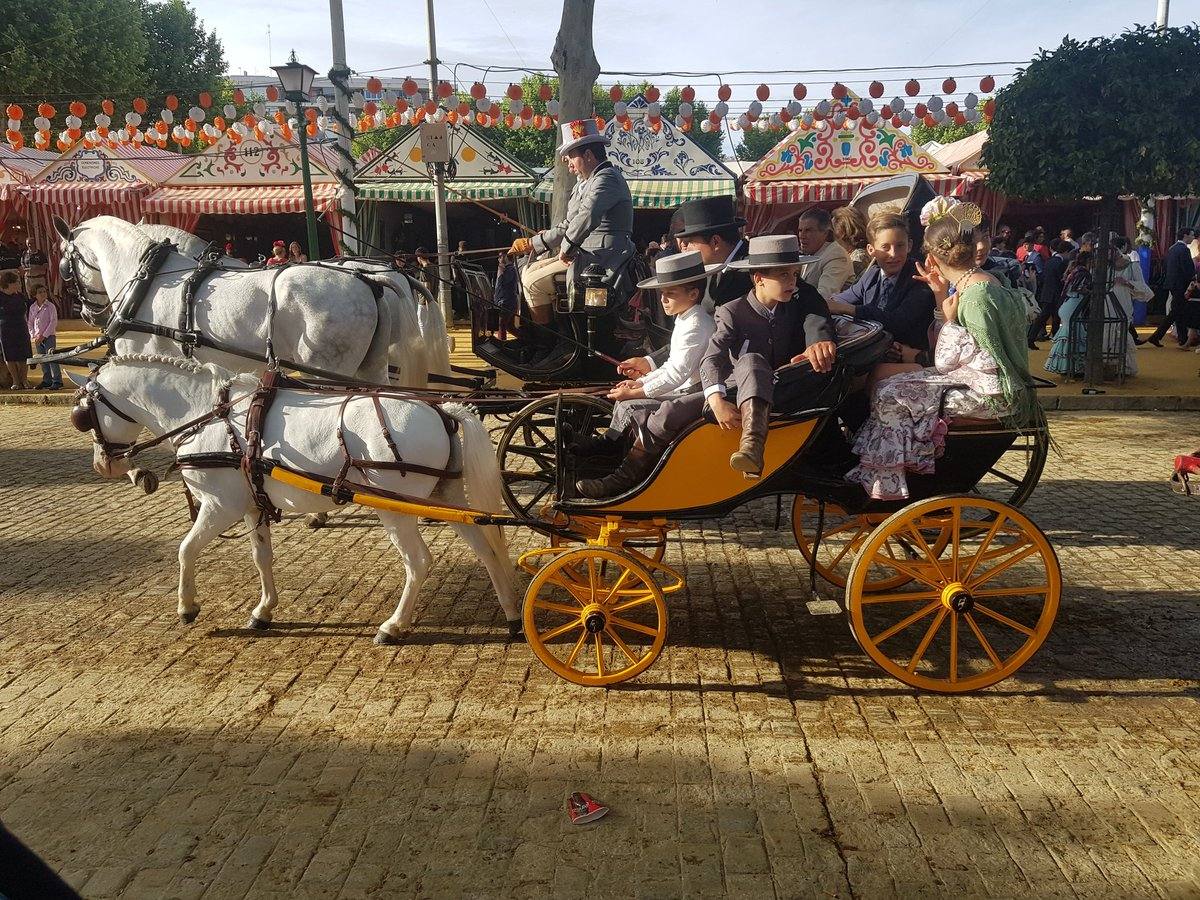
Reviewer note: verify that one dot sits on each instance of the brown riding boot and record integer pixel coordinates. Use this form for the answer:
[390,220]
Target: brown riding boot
[629,474]
[749,456]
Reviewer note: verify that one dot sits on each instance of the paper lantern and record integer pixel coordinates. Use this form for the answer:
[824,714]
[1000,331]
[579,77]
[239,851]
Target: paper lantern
[41,123]
[897,122]
[272,93]
[553,108]
[230,111]
[620,108]
[970,101]
[762,92]
[799,92]
[706,126]
[720,111]
[369,108]
[989,108]
[987,84]
[688,94]
[15,112]
[409,86]
[685,110]
[526,112]
[483,104]
[239,96]
[444,90]
[615,93]
[951,109]
[627,125]
[920,110]
[724,92]
[140,106]
[78,109]
[205,99]
[515,92]
[46,111]
[478,91]
[754,110]
[839,91]
[913,87]
[876,89]
[463,109]
[516,107]
[949,86]
[600,123]
[401,107]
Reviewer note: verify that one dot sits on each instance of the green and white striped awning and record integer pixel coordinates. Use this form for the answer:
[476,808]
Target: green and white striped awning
[659,193]
[419,191]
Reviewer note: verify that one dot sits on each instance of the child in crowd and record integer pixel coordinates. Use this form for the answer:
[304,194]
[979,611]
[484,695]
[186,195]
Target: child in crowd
[42,320]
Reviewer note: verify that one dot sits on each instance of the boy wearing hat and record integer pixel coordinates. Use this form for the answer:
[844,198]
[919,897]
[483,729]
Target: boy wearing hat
[777,322]
[710,227]
[598,227]
[675,370]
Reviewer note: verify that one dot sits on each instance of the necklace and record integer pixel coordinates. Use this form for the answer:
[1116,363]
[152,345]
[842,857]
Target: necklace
[965,275]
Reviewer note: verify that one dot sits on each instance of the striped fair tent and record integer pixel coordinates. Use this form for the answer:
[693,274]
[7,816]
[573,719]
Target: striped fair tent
[247,178]
[829,166]
[83,183]
[663,168]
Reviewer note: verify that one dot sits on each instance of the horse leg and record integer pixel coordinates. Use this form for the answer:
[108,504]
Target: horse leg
[211,520]
[500,570]
[407,539]
[260,542]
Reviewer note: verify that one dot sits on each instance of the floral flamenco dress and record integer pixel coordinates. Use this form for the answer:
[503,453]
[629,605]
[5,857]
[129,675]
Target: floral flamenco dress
[980,366]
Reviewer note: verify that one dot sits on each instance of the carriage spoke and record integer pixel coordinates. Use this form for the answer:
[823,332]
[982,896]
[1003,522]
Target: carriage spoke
[599,654]
[905,622]
[617,587]
[953,647]
[621,644]
[578,646]
[1011,591]
[1004,476]
[1000,617]
[592,579]
[901,597]
[546,636]
[955,538]
[919,653]
[557,607]
[983,642]
[848,546]
[636,601]
[1008,563]
[907,569]
[929,554]
[987,540]
[633,626]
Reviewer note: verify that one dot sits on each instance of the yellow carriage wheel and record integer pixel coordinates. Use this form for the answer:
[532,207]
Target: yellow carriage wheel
[843,536]
[595,616]
[973,613]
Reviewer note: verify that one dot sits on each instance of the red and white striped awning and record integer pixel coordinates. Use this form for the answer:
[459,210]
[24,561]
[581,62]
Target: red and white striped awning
[85,193]
[231,200]
[816,190]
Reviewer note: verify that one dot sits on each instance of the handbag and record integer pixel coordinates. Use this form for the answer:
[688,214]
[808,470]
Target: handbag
[1187,467]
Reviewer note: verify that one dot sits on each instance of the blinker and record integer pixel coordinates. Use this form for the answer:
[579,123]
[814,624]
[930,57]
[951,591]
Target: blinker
[81,417]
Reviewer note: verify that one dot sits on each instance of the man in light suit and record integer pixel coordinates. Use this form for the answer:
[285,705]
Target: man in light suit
[598,227]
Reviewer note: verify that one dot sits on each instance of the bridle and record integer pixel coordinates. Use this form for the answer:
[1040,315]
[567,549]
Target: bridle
[69,271]
[85,418]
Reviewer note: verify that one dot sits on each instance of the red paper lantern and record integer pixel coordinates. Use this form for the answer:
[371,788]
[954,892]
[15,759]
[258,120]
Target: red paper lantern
[369,109]
[600,123]
[515,92]
[444,89]
[920,111]
[464,109]
[913,87]
[839,91]
[930,122]
[615,93]
[989,108]
[853,112]
[714,118]
[688,94]
[876,89]
[172,102]
[527,112]
[140,106]
[545,92]
[478,91]
[510,120]
[949,86]
[205,99]
[724,92]
[652,94]
[239,96]
[987,84]
[272,93]
[799,92]
[762,92]
[430,107]
[951,109]
[409,86]
[897,122]
[219,121]
[374,85]
[15,112]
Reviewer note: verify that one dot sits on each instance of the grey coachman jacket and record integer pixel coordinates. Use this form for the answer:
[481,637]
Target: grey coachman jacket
[599,223]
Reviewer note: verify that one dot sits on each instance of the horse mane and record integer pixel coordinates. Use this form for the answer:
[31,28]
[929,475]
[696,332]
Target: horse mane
[190,366]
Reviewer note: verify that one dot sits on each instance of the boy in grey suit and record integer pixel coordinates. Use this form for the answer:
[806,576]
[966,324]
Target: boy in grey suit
[779,322]
[598,227]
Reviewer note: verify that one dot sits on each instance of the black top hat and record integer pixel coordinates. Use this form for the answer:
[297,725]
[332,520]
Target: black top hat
[707,215]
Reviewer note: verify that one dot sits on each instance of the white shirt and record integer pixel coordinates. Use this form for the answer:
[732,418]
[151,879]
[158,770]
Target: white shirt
[680,374]
[832,270]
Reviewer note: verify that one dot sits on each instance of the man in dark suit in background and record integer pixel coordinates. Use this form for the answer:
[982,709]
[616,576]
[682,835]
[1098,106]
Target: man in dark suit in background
[1050,292]
[1178,272]
[711,227]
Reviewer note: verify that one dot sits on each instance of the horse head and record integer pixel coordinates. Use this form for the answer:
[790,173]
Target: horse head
[97,255]
[109,419]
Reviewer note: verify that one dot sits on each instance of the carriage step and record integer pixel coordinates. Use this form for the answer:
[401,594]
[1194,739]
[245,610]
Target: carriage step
[824,608]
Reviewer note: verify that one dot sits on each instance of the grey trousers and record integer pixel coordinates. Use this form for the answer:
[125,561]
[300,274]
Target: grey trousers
[752,378]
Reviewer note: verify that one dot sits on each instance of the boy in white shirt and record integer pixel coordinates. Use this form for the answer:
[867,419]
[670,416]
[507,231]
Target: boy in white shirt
[673,371]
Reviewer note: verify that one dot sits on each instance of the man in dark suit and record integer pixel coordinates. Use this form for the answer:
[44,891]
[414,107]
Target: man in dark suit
[711,227]
[1050,292]
[1178,272]
[778,322]
[887,293]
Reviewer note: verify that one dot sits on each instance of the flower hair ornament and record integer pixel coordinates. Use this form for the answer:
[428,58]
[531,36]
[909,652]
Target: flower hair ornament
[967,216]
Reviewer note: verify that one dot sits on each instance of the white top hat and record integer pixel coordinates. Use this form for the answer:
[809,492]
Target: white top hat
[578,134]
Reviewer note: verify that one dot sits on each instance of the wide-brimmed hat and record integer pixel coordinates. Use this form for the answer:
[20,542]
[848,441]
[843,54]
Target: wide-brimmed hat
[706,216]
[679,268]
[772,251]
[578,134]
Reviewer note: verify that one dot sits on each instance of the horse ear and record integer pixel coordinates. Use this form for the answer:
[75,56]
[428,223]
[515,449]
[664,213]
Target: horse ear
[63,229]
[77,380]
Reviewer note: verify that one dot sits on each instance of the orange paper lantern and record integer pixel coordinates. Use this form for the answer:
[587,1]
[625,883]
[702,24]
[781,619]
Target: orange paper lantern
[724,92]
[652,94]
[949,86]
[409,87]
[545,92]
[140,105]
[912,87]
[239,96]
[46,110]
[15,112]
[987,84]
[272,93]
[172,102]
[444,90]
[374,85]
[688,94]
[478,91]
[205,99]
[515,92]
[311,128]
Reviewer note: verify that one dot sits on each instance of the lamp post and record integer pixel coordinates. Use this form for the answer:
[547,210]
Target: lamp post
[297,80]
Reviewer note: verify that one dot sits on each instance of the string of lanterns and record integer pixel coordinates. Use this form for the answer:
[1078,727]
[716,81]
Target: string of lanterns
[243,120]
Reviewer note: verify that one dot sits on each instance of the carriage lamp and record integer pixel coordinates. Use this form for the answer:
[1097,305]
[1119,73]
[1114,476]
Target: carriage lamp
[595,290]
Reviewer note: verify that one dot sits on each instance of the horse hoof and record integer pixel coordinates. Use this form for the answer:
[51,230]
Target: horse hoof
[187,618]
[384,639]
[257,624]
[515,630]
[316,520]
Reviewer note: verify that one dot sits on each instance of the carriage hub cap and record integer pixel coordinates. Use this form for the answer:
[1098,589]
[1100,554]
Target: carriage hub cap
[594,619]
[955,596]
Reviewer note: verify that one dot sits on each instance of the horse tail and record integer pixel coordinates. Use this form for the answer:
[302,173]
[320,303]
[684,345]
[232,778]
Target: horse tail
[481,470]
[406,349]
[433,328]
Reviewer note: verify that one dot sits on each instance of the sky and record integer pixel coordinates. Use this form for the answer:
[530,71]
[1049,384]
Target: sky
[701,35]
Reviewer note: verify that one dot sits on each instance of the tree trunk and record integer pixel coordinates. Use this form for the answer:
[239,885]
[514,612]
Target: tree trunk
[1094,354]
[574,60]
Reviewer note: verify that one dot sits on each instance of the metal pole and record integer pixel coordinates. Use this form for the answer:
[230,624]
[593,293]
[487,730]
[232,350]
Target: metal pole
[439,185]
[1164,11]
[310,214]
[339,75]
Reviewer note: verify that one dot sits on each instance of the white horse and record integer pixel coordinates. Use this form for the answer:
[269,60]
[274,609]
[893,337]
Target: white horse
[132,393]
[420,344]
[324,319]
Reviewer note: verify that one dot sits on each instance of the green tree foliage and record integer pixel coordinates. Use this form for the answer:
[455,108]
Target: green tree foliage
[755,144]
[93,49]
[1103,117]
[947,132]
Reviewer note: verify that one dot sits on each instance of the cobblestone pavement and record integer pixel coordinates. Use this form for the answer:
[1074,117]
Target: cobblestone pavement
[763,755]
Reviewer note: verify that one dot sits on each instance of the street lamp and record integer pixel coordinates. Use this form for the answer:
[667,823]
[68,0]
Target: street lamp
[297,81]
